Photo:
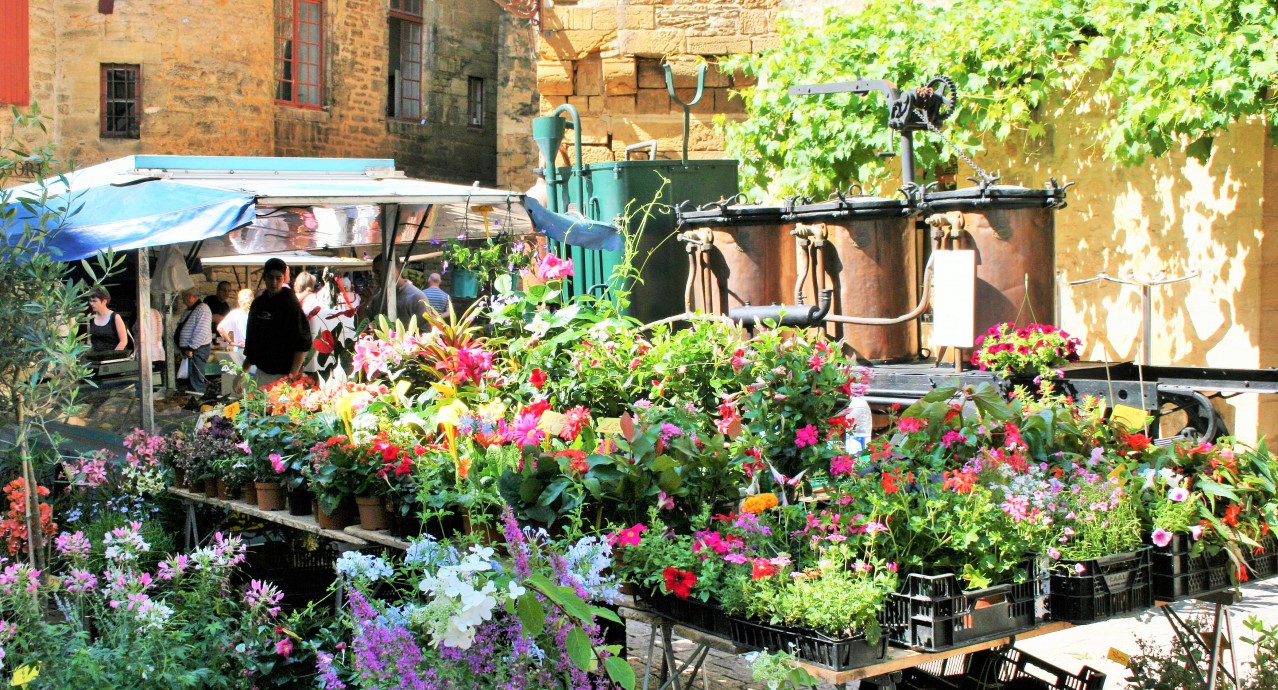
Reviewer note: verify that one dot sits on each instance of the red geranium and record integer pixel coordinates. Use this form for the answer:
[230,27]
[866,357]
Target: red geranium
[679,582]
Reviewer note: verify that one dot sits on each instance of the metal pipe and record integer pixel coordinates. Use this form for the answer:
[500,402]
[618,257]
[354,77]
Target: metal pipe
[577,169]
[907,157]
[706,277]
[692,276]
[801,249]
[924,301]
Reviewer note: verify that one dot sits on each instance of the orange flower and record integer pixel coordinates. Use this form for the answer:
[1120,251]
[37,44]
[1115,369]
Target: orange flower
[759,503]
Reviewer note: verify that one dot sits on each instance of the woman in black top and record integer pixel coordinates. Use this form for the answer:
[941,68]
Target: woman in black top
[106,328]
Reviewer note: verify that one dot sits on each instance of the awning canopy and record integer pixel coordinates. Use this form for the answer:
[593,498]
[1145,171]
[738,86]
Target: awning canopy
[290,258]
[245,205]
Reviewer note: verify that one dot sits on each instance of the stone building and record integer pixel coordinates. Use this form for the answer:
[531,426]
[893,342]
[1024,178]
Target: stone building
[416,80]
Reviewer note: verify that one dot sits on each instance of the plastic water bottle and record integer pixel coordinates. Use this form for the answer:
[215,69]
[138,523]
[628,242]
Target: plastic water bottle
[862,425]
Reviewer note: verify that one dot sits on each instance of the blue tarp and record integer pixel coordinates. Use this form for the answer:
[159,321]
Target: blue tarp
[573,230]
[148,213]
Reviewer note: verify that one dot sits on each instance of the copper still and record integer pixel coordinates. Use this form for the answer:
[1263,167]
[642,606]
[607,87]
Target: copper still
[738,255]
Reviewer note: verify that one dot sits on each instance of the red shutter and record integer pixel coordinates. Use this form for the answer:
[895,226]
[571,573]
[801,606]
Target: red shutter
[14,58]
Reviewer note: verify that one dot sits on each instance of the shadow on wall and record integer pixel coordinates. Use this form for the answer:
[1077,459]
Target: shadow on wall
[1163,219]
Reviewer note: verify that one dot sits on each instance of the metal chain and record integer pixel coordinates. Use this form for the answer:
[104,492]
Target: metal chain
[988,178]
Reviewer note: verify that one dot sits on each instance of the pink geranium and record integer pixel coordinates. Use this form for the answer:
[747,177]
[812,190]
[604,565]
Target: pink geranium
[807,436]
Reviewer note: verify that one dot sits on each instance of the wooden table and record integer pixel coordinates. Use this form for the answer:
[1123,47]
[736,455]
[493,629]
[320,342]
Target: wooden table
[900,659]
[896,659]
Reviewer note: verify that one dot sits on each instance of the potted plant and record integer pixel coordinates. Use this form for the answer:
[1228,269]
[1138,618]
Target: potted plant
[1037,349]
[474,264]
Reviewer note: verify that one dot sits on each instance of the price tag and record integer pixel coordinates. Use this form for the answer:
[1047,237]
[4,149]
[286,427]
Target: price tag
[1129,417]
[608,426]
[1118,657]
[551,422]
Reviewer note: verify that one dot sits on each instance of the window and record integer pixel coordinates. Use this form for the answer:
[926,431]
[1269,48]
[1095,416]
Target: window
[405,101]
[121,101]
[475,102]
[298,49]
[14,54]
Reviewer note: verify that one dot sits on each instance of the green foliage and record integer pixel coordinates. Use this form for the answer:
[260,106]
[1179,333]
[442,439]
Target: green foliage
[1020,68]
[41,369]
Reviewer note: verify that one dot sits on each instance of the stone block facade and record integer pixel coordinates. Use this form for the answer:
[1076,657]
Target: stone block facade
[606,57]
[208,88]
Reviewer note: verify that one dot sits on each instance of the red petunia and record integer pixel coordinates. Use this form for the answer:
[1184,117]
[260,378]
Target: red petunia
[537,379]
[762,568]
[679,582]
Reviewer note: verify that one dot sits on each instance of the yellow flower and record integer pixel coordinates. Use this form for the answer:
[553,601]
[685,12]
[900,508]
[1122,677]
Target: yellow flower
[451,413]
[758,504]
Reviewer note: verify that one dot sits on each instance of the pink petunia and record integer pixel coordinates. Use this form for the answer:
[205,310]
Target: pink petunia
[277,462]
[1161,537]
[807,436]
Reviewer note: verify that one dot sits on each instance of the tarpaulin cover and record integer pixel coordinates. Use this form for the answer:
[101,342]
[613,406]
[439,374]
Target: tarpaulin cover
[149,213]
[573,230]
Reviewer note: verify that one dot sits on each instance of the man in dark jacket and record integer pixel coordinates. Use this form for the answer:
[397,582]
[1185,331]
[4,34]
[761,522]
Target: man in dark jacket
[277,336]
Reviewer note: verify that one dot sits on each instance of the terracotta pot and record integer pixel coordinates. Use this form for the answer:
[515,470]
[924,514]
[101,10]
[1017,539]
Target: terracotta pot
[270,496]
[299,501]
[210,487]
[338,519]
[373,514]
[195,486]
[250,493]
[179,477]
[233,493]
[222,492]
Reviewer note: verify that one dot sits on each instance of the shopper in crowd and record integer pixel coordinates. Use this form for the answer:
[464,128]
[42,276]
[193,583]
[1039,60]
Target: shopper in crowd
[194,339]
[220,303]
[106,328]
[232,327]
[439,300]
[277,337]
[410,302]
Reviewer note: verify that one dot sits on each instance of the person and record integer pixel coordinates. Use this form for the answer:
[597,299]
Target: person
[410,302]
[232,327]
[436,297]
[220,303]
[106,328]
[195,339]
[277,336]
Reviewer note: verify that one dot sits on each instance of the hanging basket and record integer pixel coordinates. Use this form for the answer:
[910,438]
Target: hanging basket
[465,283]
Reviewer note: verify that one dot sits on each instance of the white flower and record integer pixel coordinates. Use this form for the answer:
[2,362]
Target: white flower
[538,326]
[516,590]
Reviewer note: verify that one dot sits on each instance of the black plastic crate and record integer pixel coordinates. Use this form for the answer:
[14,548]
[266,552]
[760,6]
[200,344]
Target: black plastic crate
[990,670]
[1263,565]
[1108,586]
[304,575]
[693,613]
[933,613]
[837,654]
[1178,574]
[1013,664]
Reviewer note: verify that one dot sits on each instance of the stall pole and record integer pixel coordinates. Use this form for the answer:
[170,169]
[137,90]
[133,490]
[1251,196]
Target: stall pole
[390,272]
[146,339]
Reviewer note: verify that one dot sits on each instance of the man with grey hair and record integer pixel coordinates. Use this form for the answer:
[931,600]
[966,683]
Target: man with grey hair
[194,338]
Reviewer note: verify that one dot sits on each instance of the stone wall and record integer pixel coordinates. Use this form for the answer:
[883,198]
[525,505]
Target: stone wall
[208,89]
[457,43]
[604,57]
[194,90]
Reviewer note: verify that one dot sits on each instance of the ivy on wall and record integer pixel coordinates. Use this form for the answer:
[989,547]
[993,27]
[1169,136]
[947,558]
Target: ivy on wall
[1166,73]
